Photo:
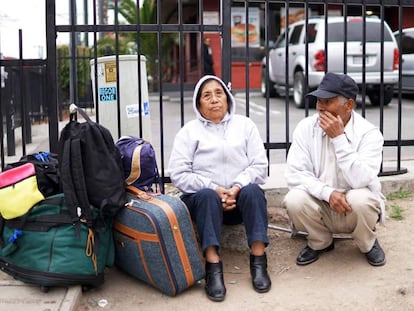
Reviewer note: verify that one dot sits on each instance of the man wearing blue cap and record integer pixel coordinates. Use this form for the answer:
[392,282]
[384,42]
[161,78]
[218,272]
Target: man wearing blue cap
[332,173]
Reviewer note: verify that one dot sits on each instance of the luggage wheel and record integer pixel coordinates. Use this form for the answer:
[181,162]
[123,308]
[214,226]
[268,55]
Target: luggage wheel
[44,289]
[86,288]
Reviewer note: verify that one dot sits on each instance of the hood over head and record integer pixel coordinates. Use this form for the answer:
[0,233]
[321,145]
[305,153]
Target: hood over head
[231,102]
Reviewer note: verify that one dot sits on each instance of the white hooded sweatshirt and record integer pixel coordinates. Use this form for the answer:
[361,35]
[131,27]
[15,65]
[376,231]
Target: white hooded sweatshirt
[208,155]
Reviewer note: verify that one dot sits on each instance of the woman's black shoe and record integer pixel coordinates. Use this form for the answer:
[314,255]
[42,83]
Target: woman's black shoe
[215,288]
[258,270]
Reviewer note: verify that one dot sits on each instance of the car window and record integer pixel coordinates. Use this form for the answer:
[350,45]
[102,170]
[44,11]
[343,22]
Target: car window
[294,38]
[407,42]
[312,32]
[336,32]
[281,41]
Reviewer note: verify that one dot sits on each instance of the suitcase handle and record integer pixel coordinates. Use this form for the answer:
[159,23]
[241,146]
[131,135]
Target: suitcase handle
[138,193]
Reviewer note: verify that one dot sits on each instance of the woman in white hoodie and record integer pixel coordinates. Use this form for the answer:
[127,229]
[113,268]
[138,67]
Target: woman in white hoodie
[218,161]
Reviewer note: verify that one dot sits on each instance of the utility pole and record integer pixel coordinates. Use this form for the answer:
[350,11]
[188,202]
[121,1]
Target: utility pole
[85,16]
[103,14]
[72,53]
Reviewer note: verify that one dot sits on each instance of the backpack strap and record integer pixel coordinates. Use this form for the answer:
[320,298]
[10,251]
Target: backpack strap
[67,183]
[20,222]
[2,221]
[83,114]
[74,188]
[73,181]
[158,182]
[78,178]
[43,223]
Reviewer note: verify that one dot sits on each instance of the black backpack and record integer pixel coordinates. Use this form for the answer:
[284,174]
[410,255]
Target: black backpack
[90,168]
[47,170]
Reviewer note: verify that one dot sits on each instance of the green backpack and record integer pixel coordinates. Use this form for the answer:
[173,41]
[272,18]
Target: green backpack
[48,247]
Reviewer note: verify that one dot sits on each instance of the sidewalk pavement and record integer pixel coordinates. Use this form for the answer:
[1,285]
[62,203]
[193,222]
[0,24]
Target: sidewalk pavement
[15,295]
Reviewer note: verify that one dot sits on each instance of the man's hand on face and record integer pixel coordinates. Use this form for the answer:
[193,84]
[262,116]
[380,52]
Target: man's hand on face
[331,124]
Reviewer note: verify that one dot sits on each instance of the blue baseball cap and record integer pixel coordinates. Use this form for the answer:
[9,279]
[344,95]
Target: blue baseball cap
[334,84]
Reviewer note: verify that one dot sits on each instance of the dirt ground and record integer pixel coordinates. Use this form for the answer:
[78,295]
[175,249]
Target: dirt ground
[339,280]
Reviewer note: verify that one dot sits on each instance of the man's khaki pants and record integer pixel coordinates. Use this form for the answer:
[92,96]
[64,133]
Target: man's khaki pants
[315,217]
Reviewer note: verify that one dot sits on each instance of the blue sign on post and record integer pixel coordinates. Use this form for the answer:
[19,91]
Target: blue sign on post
[146,108]
[107,94]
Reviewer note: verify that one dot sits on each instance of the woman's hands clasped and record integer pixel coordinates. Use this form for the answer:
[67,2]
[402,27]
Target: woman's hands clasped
[228,197]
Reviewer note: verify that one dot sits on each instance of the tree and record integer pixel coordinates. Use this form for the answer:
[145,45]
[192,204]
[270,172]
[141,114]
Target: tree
[83,55]
[147,42]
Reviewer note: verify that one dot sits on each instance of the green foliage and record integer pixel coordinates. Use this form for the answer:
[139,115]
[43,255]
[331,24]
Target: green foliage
[126,43]
[396,212]
[63,68]
[147,15]
[147,42]
[107,45]
[398,195]
[82,70]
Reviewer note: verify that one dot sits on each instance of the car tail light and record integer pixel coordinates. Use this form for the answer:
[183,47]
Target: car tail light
[319,63]
[354,19]
[396,59]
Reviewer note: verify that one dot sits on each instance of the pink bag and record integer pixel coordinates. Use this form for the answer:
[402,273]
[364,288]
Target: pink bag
[19,191]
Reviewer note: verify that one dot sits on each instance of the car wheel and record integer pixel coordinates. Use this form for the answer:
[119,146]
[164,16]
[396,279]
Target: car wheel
[375,98]
[267,85]
[299,89]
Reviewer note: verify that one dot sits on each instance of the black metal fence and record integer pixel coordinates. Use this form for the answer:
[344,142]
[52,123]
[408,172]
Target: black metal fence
[22,101]
[170,34]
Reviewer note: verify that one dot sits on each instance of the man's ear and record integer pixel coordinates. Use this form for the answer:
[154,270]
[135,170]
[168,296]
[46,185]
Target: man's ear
[350,104]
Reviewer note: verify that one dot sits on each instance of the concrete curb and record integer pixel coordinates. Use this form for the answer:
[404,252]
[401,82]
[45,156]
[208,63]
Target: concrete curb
[72,299]
[19,296]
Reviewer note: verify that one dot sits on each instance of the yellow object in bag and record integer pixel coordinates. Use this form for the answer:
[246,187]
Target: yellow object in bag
[19,191]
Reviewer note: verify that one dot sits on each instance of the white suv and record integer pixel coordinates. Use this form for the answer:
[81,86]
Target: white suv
[406,44]
[320,62]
